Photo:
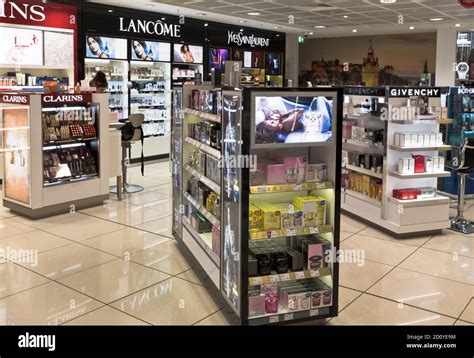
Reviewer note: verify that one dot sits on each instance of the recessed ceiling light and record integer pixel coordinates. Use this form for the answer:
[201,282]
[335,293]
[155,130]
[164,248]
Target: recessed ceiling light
[110,10]
[311,33]
[254,13]
[201,14]
[206,24]
[388,1]
[163,18]
[345,16]
[458,25]
[354,30]
[319,26]
[277,27]
[412,27]
[241,30]
[436,19]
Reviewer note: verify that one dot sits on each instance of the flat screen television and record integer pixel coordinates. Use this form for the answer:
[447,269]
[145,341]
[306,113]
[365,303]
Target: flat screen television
[291,119]
[250,59]
[273,63]
[150,51]
[184,53]
[218,57]
[106,47]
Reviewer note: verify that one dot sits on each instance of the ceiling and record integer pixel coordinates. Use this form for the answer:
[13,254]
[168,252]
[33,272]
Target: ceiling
[340,17]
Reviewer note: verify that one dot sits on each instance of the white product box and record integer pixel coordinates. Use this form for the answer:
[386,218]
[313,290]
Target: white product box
[414,140]
[432,139]
[429,164]
[439,138]
[396,140]
[421,140]
[406,166]
[426,140]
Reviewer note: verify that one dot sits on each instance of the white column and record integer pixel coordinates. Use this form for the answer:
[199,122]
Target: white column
[292,58]
[445,57]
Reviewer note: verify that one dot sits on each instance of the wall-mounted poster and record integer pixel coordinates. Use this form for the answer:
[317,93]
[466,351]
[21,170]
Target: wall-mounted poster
[250,59]
[150,51]
[273,63]
[21,46]
[218,57]
[58,49]
[184,53]
[106,47]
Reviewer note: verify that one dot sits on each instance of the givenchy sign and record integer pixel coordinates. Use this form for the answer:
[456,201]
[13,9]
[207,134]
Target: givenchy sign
[14,99]
[417,91]
[10,9]
[157,27]
[239,39]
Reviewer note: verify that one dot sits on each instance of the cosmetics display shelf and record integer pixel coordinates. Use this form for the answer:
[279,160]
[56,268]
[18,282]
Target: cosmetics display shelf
[204,147]
[273,234]
[363,171]
[419,175]
[203,179]
[289,276]
[438,148]
[146,93]
[21,88]
[148,107]
[212,219]
[437,199]
[288,316]
[283,188]
[149,79]
[207,116]
[204,240]
[363,197]
[57,143]
[368,117]
[69,180]
[363,145]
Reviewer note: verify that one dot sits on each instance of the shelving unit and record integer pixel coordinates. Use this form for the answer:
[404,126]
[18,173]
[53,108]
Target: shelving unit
[401,217]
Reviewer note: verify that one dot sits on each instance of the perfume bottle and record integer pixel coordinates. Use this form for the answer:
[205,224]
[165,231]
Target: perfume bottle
[291,176]
[271,303]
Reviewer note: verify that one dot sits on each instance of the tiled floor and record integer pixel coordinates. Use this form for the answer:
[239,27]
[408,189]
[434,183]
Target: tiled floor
[117,264]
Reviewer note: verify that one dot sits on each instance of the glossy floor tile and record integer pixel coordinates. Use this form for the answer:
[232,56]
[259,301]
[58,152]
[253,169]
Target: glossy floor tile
[48,304]
[345,235]
[14,279]
[106,316]
[468,314]
[173,301]
[349,224]
[379,234]
[452,243]
[161,226]
[113,280]
[67,260]
[132,216]
[11,227]
[145,197]
[382,251]
[220,318]
[370,310]
[125,242]
[166,257]
[36,241]
[361,277]
[441,264]
[424,291]
[347,296]
[196,276]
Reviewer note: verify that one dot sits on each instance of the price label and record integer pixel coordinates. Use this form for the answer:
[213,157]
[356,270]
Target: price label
[299,275]
[274,278]
[291,232]
[256,281]
[315,273]
[298,187]
[314,312]
[274,319]
[320,186]
[285,277]
[261,189]
[314,230]
[288,317]
[273,234]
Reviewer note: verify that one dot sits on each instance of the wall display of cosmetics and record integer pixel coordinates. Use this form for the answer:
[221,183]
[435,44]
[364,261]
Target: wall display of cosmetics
[27,79]
[371,105]
[303,211]
[373,162]
[150,87]
[109,70]
[147,73]
[155,129]
[362,184]
[114,86]
[362,134]
[205,197]
[207,101]
[151,101]
[68,163]
[421,164]
[418,139]
[289,296]
[69,124]
[275,169]
[414,193]
[180,73]
[208,133]
[205,164]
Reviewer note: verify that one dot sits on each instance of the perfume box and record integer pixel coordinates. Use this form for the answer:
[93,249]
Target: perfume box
[403,139]
[406,194]
[295,260]
[313,208]
[316,172]
[252,270]
[426,139]
[429,165]
[406,166]
[316,253]
[216,240]
[420,140]
[414,140]
[286,215]
[439,138]
[345,157]
[275,174]
[271,216]
[256,304]
[255,218]
[427,192]
[432,140]
[419,163]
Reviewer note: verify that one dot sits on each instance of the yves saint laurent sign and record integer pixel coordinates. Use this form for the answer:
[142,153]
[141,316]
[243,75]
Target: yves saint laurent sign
[239,39]
[14,99]
[415,91]
[157,27]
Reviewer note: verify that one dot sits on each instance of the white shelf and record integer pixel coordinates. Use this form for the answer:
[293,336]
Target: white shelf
[214,221]
[436,200]
[301,231]
[204,240]
[289,276]
[286,315]
[419,175]
[363,197]
[204,147]
[363,171]
[205,180]
[285,188]
[438,148]
[362,144]
[204,115]
[369,117]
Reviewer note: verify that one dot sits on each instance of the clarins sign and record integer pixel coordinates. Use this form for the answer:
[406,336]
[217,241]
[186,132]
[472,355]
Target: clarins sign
[38,13]
[148,27]
[14,99]
[239,39]
[55,99]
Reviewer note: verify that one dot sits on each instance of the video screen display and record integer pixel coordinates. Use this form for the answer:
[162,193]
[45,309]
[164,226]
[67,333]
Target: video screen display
[300,120]
[273,63]
[150,51]
[218,57]
[106,47]
[184,53]
[250,59]
[21,46]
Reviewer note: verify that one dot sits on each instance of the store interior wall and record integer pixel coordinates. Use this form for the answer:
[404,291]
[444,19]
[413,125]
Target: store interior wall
[445,57]
[292,58]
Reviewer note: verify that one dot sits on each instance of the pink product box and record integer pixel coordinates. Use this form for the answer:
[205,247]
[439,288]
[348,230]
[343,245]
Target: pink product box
[216,241]
[295,162]
[256,305]
[275,174]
